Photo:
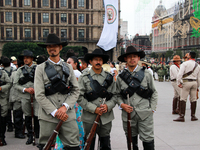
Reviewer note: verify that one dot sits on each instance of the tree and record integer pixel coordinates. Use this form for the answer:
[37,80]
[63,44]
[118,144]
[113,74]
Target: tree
[154,55]
[169,54]
[178,52]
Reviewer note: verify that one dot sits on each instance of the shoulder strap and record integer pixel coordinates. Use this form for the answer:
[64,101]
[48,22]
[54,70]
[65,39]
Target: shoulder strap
[50,70]
[189,73]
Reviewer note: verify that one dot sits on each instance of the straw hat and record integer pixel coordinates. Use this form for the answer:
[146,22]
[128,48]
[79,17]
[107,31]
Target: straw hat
[144,62]
[176,58]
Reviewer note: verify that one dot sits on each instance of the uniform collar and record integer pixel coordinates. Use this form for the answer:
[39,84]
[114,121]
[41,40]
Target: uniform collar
[26,66]
[93,73]
[58,63]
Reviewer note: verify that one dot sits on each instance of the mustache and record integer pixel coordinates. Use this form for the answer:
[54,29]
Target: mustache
[98,64]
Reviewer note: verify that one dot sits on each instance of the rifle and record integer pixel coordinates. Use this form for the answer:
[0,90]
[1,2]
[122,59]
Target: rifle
[1,143]
[93,131]
[32,114]
[53,136]
[129,136]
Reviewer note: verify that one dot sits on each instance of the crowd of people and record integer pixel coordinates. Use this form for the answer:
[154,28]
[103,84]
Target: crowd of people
[41,91]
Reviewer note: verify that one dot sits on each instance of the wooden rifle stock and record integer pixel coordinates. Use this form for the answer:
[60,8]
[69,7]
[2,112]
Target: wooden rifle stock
[53,136]
[32,114]
[1,143]
[129,136]
[92,131]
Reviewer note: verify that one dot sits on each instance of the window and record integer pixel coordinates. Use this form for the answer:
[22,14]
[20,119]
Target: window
[8,2]
[9,34]
[45,33]
[45,17]
[81,34]
[8,16]
[45,3]
[27,2]
[27,17]
[27,33]
[63,33]
[103,17]
[63,3]
[63,17]
[80,3]
[81,18]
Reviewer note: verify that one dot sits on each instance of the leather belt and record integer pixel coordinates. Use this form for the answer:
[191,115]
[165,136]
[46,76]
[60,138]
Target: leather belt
[189,80]
[173,80]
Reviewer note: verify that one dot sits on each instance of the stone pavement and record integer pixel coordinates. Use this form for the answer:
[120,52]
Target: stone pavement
[169,135]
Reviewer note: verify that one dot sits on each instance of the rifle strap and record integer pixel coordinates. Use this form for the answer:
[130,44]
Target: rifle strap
[189,73]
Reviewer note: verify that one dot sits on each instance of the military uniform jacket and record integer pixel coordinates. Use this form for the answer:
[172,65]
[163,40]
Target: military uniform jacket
[89,108]
[19,87]
[5,88]
[143,107]
[47,104]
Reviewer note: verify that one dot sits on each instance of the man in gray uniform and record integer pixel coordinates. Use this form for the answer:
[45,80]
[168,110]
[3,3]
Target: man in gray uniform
[4,87]
[9,70]
[23,83]
[96,84]
[189,73]
[137,84]
[56,90]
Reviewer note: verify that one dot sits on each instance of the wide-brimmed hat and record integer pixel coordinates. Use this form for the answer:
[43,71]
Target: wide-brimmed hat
[176,58]
[131,50]
[53,39]
[96,53]
[26,53]
[186,55]
[144,62]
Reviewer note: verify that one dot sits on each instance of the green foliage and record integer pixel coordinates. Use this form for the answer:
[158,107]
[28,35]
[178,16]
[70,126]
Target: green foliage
[169,54]
[196,51]
[179,52]
[154,55]
[15,49]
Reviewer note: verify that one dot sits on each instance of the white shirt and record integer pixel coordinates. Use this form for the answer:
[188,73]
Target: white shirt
[77,73]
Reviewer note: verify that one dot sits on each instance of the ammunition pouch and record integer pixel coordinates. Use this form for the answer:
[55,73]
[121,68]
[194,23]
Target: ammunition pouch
[99,90]
[2,83]
[57,84]
[28,76]
[134,84]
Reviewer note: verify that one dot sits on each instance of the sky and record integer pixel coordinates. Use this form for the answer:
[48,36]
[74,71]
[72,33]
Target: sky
[139,14]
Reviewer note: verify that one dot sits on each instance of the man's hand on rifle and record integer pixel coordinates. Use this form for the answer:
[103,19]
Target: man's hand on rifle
[127,108]
[99,111]
[29,90]
[61,113]
[104,108]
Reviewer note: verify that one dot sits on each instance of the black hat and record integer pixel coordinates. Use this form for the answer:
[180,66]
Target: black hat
[131,50]
[26,53]
[52,39]
[96,53]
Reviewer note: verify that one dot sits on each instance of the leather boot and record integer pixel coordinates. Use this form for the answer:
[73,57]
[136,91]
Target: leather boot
[18,123]
[92,144]
[36,126]
[181,118]
[174,106]
[9,121]
[3,130]
[28,123]
[148,145]
[105,143]
[71,148]
[178,105]
[40,146]
[135,143]
[193,110]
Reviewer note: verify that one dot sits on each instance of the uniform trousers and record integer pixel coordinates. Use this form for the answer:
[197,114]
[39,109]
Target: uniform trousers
[68,133]
[177,90]
[26,107]
[145,128]
[189,88]
[102,130]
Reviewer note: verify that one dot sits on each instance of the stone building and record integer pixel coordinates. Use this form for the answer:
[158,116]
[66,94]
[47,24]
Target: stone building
[78,21]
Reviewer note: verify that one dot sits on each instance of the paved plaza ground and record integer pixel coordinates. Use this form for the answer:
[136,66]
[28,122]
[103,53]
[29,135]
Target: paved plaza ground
[169,135]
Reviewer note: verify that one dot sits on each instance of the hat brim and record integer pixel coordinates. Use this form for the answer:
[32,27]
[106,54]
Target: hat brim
[141,54]
[143,62]
[21,57]
[89,57]
[46,44]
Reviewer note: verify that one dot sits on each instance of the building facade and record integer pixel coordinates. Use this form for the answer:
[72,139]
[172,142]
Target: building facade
[78,21]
